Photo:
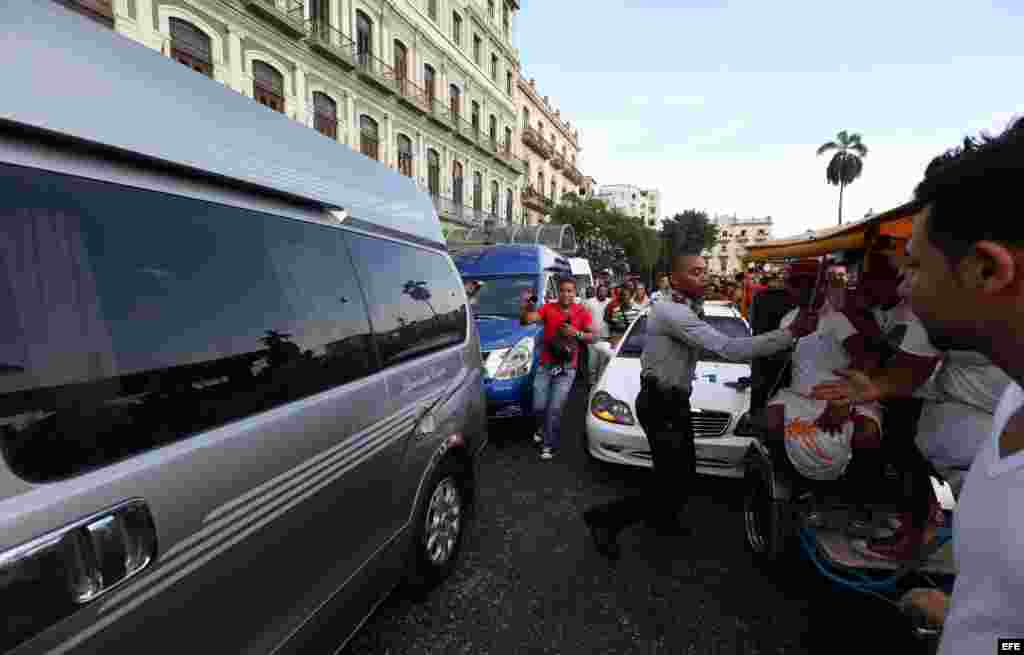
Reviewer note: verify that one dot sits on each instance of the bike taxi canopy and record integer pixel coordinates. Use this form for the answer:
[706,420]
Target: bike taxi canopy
[863,235]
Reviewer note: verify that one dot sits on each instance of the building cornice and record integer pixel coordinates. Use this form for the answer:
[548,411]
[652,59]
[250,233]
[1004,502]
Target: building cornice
[531,93]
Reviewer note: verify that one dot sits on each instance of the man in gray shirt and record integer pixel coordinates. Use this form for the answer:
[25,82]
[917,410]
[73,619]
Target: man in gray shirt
[676,333]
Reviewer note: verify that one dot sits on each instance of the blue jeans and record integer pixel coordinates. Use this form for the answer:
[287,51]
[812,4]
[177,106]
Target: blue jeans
[549,395]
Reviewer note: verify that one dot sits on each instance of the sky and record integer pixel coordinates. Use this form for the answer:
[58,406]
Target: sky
[722,104]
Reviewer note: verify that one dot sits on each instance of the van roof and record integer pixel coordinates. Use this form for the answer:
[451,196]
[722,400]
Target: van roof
[122,95]
[507,259]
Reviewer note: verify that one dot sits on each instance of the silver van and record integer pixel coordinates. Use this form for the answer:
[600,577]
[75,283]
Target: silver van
[240,395]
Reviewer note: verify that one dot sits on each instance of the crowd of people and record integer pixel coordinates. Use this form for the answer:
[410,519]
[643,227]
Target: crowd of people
[942,321]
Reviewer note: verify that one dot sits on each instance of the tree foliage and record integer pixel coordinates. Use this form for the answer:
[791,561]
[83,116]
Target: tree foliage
[602,233]
[846,164]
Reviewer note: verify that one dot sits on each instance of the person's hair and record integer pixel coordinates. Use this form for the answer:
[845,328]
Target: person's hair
[738,277]
[565,279]
[969,189]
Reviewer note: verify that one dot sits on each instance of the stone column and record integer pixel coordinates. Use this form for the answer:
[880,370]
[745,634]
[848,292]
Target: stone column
[301,115]
[235,71]
[352,120]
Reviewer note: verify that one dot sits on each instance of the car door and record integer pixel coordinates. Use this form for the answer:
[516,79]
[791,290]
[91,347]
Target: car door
[188,421]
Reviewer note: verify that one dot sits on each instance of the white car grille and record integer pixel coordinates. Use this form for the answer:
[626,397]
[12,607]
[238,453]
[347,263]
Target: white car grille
[709,423]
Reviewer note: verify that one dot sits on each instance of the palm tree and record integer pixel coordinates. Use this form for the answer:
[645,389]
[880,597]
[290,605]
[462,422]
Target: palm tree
[418,290]
[846,165]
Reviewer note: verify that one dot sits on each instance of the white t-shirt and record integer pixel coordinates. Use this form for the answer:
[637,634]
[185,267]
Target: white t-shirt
[819,354]
[596,308]
[988,596]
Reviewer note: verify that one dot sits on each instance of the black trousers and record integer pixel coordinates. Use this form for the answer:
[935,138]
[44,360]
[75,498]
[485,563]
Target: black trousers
[665,417]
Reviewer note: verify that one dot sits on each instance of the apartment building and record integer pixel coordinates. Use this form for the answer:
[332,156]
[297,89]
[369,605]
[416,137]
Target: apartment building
[425,87]
[734,235]
[549,150]
[642,204]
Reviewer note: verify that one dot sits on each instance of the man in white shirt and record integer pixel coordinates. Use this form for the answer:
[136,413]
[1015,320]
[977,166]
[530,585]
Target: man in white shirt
[597,355]
[966,283]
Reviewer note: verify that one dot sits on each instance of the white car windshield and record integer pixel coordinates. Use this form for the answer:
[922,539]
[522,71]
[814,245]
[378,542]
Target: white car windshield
[729,325]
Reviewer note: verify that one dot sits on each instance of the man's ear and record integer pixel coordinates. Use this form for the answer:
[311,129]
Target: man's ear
[992,268]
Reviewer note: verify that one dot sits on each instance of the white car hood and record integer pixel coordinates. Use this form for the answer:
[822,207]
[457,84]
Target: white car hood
[621,379]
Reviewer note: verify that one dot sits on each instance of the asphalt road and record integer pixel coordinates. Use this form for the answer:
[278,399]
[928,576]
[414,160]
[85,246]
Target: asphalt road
[529,580]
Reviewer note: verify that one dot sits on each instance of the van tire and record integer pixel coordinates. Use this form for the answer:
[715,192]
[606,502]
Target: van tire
[764,519]
[442,514]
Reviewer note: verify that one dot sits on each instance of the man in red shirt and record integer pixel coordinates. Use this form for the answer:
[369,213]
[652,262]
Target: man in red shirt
[566,326]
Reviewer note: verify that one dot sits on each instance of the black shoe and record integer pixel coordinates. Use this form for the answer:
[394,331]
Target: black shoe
[604,537]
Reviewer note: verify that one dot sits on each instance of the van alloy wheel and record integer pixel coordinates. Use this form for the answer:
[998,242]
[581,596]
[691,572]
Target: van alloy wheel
[443,521]
[757,515]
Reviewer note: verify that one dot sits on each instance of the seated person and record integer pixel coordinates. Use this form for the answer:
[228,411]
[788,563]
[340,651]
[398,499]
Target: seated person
[820,435]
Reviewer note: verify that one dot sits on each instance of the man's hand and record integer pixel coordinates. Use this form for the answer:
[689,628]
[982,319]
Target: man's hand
[928,607]
[568,331]
[834,417]
[806,322]
[855,386]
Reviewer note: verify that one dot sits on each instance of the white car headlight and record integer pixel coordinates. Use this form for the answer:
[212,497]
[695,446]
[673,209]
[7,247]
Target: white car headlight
[608,408]
[517,361]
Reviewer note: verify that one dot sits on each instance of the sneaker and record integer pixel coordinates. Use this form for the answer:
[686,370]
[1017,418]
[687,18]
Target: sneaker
[546,453]
[538,438]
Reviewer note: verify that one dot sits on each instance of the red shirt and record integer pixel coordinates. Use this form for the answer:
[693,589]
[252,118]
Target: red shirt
[554,317]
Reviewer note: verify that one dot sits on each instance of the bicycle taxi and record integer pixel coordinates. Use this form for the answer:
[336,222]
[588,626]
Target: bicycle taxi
[778,504]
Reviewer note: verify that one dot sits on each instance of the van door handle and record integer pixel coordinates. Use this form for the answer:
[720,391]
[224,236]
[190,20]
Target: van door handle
[50,577]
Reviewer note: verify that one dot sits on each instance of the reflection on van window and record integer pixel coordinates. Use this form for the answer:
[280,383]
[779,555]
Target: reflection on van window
[415,296]
[134,318]
[501,296]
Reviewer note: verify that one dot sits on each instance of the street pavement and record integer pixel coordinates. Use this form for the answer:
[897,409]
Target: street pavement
[530,582]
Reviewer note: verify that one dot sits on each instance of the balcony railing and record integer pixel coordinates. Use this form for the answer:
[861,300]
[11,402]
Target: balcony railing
[534,200]
[413,94]
[287,15]
[376,71]
[573,174]
[331,42]
[452,210]
[534,140]
[557,162]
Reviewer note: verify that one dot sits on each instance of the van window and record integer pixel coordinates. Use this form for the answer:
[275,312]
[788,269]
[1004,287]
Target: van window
[416,298]
[133,318]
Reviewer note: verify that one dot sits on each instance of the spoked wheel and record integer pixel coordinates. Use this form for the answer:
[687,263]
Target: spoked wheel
[441,525]
[763,518]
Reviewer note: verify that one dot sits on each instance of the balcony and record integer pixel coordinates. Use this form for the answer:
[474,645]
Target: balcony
[534,200]
[573,175]
[557,162]
[536,142]
[413,95]
[287,15]
[330,42]
[377,72]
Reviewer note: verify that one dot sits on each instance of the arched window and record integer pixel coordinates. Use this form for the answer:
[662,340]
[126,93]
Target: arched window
[478,191]
[429,78]
[455,98]
[433,172]
[432,9]
[526,118]
[404,155]
[369,143]
[364,38]
[401,63]
[457,28]
[268,86]
[508,140]
[552,189]
[540,182]
[508,82]
[476,116]
[191,46]
[457,183]
[325,115]
[495,198]
[493,131]
[508,205]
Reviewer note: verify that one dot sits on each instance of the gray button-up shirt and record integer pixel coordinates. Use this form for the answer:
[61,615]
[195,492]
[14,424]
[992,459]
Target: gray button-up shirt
[676,335]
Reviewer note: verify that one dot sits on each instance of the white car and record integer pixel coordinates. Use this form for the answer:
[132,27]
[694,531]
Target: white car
[720,402]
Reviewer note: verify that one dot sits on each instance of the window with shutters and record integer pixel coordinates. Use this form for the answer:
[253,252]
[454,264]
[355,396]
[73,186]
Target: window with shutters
[478,191]
[369,141]
[455,100]
[495,198]
[508,205]
[191,46]
[457,183]
[404,155]
[325,118]
[268,86]
[457,28]
[433,172]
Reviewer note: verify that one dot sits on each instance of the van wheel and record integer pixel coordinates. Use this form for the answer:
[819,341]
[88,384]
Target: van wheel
[440,524]
[763,519]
